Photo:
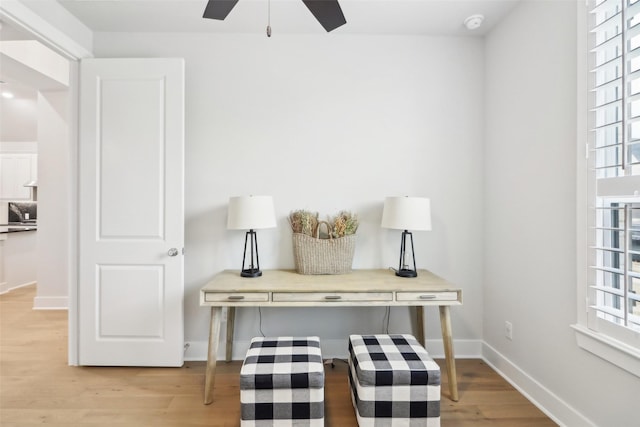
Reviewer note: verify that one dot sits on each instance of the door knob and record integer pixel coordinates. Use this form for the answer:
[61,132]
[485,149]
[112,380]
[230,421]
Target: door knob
[172,252]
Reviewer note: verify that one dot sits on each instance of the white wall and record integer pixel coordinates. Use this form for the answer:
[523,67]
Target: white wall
[530,233]
[53,200]
[18,120]
[327,123]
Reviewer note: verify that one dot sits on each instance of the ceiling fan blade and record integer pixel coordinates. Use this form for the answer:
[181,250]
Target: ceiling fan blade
[327,12]
[218,9]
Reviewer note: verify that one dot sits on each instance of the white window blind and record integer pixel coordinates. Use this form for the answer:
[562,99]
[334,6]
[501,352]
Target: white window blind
[614,181]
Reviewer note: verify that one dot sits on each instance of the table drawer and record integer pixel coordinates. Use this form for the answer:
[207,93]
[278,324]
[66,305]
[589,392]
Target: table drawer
[238,297]
[427,296]
[331,296]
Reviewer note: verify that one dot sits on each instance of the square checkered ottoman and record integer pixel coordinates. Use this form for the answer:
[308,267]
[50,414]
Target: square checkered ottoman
[393,382]
[282,383]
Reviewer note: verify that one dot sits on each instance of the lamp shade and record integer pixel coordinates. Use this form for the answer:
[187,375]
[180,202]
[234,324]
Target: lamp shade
[407,213]
[251,213]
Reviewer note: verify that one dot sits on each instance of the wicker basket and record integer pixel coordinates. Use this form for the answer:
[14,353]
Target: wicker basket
[313,255]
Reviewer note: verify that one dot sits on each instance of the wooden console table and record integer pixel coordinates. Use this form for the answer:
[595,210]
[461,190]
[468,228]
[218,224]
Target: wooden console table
[286,288]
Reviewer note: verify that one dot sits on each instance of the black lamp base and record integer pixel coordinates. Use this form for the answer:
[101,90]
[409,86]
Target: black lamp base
[406,273]
[254,269]
[251,272]
[402,271]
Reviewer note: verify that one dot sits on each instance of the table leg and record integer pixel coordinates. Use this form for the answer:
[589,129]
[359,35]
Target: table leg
[231,318]
[214,338]
[445,323]
[420,321]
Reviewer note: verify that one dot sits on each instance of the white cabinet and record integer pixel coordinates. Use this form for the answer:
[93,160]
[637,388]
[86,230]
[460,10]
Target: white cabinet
[18,256]
[16,169]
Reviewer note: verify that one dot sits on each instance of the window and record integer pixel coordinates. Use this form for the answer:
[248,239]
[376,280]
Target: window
[616,277]
[613,184]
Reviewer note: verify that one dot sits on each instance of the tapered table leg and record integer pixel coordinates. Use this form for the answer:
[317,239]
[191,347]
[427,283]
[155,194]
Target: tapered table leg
[231,318]
[445,323]
[214,337]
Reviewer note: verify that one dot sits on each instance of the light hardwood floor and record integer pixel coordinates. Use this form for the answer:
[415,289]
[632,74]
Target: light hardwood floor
[38,388]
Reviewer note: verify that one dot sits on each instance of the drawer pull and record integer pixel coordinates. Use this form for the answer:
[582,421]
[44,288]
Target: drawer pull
[427,296]
[236,297]
[332,297]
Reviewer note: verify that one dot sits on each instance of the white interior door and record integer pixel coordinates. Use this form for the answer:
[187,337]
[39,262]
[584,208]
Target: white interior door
[131,231]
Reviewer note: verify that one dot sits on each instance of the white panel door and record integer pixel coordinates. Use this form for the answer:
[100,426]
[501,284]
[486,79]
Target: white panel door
[131,231]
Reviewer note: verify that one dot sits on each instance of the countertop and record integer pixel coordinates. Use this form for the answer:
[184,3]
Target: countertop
[17,228]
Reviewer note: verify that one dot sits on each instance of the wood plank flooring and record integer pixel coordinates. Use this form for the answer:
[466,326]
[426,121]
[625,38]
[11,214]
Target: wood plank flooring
[38,388]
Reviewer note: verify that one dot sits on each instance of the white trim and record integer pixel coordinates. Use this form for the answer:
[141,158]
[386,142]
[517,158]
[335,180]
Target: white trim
[50,303]
[581,162]
[331,348]
[19,15]
[30,147]
[611,350]
[5,287]
[72,243]
[548,402]
[617,187]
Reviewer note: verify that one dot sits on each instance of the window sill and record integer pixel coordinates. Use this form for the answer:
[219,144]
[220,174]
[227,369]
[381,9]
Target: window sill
[611,350]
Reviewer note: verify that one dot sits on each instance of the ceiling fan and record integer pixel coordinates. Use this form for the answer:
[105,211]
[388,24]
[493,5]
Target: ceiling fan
[327,12]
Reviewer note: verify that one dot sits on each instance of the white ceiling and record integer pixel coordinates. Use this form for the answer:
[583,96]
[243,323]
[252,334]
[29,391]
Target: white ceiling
[16,78]
[8,81]
[429,17]
[19,89]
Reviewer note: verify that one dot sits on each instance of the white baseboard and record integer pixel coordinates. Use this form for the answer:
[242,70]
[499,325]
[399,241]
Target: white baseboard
[548,402]
[39,303]
[51,303]
[5,287]
[333,348]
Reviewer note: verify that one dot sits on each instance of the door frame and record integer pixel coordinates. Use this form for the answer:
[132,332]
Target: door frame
[19,15]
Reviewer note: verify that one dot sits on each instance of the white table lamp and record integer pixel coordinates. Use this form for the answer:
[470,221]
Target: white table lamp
[251,213]
[406,213]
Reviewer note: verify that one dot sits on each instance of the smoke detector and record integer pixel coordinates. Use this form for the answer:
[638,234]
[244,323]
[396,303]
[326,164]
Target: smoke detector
[473,22]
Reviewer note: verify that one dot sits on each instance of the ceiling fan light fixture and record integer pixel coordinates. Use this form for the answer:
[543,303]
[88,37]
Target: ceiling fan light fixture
[474,22]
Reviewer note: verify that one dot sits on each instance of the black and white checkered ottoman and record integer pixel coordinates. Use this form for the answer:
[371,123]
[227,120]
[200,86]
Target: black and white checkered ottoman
[282,383]
[393,382]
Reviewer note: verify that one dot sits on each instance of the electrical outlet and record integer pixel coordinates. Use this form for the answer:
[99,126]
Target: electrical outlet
[508,330]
